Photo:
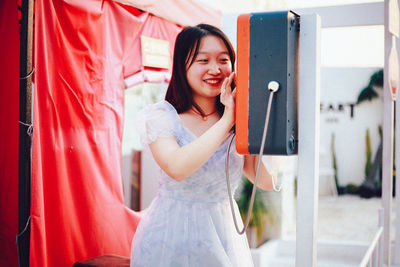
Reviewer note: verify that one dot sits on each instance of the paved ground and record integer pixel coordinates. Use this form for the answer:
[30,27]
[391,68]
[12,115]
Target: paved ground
[348,218]
[346,225]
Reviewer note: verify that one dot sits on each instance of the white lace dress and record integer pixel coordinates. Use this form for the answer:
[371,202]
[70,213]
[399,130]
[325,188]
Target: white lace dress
[189,223]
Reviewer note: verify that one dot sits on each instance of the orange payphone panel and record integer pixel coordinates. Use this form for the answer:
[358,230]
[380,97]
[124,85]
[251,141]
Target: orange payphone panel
[267,48]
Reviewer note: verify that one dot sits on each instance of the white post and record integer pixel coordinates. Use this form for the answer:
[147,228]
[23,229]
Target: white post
[397,164]
[374,258]
[308,164]
[387,153]
[380,243]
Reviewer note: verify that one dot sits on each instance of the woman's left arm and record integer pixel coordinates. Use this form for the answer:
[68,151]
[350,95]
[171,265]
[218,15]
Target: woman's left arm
[265,178]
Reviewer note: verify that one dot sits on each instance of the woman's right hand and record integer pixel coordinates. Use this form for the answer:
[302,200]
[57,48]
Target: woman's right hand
[228,99]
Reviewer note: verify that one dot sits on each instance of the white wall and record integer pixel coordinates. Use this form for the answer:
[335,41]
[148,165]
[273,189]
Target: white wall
[341,86]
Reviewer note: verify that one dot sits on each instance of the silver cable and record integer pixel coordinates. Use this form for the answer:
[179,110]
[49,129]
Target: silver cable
[29,131]
[273,87]
[29,74]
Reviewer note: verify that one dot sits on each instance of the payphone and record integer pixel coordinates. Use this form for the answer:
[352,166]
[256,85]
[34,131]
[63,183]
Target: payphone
[267,48]
[267,89]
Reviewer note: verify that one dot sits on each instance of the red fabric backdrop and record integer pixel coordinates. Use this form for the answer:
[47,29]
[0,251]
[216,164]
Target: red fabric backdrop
[84,49]
[9,102]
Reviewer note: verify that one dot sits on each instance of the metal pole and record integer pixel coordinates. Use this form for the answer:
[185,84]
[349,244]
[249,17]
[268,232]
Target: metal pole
[308,158]
[25,131]
[387,153]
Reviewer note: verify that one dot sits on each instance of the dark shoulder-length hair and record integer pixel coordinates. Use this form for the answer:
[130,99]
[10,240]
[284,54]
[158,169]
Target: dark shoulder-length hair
[179,92]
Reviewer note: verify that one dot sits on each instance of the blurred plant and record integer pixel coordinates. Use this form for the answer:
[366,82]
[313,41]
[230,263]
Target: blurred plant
[334,162]
[369,93]
[368,163]
[370,187]
[352,189]
[259,212]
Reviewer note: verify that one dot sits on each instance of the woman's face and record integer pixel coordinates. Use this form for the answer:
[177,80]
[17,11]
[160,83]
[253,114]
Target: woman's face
[210,67]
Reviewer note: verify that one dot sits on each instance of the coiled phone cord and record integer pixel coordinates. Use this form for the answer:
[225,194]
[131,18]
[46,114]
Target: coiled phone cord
[273,87]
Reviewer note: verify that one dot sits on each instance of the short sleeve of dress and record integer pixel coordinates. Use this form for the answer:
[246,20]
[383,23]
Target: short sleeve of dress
[156,120]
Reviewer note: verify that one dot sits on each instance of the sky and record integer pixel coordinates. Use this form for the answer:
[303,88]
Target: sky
[348,47]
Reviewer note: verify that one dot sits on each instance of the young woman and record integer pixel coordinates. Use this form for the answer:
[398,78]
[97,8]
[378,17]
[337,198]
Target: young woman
[190,223]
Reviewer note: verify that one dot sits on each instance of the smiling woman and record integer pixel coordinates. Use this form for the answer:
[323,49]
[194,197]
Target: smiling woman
[205,74]
[189,222]
[207,71]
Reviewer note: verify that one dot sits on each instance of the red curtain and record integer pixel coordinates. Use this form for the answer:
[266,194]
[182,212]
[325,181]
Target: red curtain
[84,49]
[9,113]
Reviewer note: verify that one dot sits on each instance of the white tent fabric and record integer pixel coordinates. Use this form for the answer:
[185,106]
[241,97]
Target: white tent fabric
[182,12]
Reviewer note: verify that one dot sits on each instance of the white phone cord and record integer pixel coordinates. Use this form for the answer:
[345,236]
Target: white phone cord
[253,193]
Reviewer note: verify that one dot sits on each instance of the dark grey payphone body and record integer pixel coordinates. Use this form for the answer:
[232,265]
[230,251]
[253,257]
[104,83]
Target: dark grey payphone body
[268,45]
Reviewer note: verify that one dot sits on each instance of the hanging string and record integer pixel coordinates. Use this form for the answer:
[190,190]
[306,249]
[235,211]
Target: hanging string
[29,131]
[29,74]
[19,239]
[26,228]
